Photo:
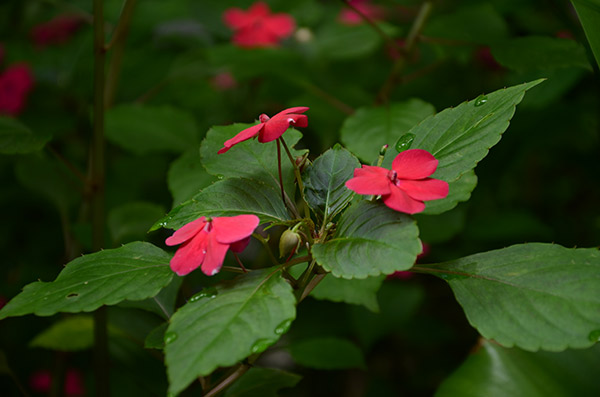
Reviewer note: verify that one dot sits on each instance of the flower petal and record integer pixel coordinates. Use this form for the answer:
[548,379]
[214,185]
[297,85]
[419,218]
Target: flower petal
[297,109]
[228,230]
[400,201]
[236,18]
[190,255]
[280,25]
[425,189]
[414,164]
[241,245]
[186,232]
[242,136]
[259,10]
[369,184]
[215,255]
[371,170]
[274,128]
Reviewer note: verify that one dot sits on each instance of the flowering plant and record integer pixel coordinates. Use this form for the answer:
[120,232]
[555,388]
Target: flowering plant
[337,231]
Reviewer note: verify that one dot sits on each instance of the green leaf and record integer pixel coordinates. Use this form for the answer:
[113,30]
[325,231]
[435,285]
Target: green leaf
[357,292]
[187,177]
[327,353]
[249,159]
[495,371]
[534,296]
[459,191]
[368,129]
[588,12]
[17,138]
[229,197]
[245,316]
[539,52]
[156,337]
[151,129]
[370,240]
[135,271]
[325,179]
[131,221]
[460,137]
[337,41]
[262,382]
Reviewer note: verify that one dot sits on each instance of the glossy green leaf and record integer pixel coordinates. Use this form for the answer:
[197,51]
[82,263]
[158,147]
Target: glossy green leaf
[368,129]
[540,52]
[458,191]
[325,179]
[327,353]
[460,137]
[262,382]
[151,129]
[370,240]
[495,371]
[588,12]
[249,159]
[16,138]
[187,177]
[131,221]
[229,197]
[156,337]
[242,317]
[135,271]
[534,296]
[357,292]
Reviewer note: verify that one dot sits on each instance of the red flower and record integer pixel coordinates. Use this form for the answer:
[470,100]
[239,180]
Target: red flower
[206,241]
[406,185]
[56,31]
[257,27]
[15,84]
[270,128]
[350,17]
[41,382]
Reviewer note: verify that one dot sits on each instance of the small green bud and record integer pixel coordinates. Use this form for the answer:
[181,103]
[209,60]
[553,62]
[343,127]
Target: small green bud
[289,242]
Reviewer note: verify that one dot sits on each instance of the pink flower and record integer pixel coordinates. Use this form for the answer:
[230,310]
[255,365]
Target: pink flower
[223,81]
[56,31]
[350,17]
[15,84]
[41,382]
[257,27]
[270,128]
[206,241]
[406,185]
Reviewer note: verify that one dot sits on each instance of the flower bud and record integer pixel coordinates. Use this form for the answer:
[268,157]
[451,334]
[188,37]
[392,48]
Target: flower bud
[289,242]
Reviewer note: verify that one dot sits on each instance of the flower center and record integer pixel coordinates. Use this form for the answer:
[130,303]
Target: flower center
[264,118]
[393,176]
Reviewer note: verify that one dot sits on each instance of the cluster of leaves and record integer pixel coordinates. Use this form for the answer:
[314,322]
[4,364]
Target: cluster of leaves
[526,297]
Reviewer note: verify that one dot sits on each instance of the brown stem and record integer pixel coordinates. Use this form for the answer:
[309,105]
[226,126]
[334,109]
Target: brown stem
[298,176]
[235,375]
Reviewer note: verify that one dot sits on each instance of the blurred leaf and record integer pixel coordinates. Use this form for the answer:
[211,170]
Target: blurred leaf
[495,371]
[131,221]
[17,138]
[337,41]
[477,24]
[357,292]
[262,382]
[229,197]
[368,129]
[327,353]
[459,191]
[437,229]
[370,240]
[588,12]
[246,316]
[162,303]
[4,367]
[187,176]
[69,334]
[250,159]
[540,52]
[156,337]
[135,271]
[151,129]
[534,296]
[559,82]
[325,179]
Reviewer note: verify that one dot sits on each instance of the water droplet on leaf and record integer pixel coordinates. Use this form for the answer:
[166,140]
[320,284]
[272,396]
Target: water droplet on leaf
[594,336]
[283,327]
[261,345]
[170,337]
[481,100]
[404,142]
[209,292]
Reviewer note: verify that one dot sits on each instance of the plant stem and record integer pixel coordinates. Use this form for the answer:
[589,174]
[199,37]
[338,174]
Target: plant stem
[265,244]
[96,184]
[298,177]
[311,285]
[235,375]
[279,170]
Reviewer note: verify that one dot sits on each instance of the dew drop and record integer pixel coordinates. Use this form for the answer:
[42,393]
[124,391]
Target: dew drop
[404,142]
[170,337]
[283,327]
[594,336]
[86,282]
[481,100]
[209,292]
[261,345]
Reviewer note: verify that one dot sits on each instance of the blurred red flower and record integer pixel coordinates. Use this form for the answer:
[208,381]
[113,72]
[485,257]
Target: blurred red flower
[41,382]
[257,27]
[350,17]
[270,128]
[206,241]
[406,185]
[56,31]
[15,83]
